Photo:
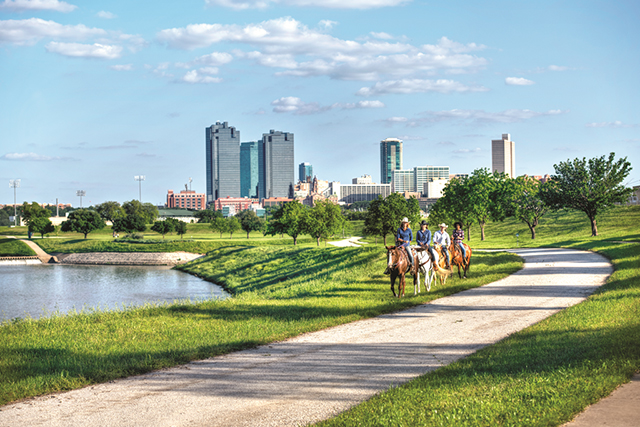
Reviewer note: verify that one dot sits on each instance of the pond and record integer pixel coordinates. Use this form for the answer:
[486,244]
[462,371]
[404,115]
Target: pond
[38,290]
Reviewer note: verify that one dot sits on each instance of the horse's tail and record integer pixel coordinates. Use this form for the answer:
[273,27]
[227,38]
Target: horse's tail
[439,270]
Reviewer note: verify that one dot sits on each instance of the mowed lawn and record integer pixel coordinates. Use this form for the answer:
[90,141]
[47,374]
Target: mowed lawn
[13,247]
[279,292]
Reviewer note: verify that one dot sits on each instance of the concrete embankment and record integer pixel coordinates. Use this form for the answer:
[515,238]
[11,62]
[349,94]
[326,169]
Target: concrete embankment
[20,260]
[128,258]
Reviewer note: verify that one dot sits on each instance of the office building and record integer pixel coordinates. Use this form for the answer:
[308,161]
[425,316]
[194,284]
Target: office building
[390,158]
[364,179]
[503,155]
[413,180]
[222,145]
[276,174]
[249,169]
[351,193]
[305,172]
[186,199]
[433,188]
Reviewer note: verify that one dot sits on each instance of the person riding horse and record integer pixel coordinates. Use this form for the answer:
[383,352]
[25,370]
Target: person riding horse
[458,238]
[441,238]
[423,238]
[404,236]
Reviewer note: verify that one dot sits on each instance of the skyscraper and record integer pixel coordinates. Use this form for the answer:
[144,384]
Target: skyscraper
[390,158]
[249,169]
[223,161]
[503,155]
[277,167]
[305,170]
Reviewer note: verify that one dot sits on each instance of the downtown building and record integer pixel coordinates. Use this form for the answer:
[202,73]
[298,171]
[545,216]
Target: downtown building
[413,180]
[222,150]
[390,158]
[503,155]
[276,167]
[305,172]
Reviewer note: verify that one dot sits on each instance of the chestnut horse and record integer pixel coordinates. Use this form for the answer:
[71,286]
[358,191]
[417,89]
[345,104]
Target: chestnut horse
[456,258]
[398,265]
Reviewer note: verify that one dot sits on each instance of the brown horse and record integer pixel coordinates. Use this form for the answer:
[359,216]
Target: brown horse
[398,265]
[456,258]
[441,262]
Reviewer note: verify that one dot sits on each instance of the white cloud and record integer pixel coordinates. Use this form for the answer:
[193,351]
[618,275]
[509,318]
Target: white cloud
[327,24]
[30,31]
[106,15]
[279,42]
[25,5]
[329,4]
[518,81]
[26,157]
[467,150]
[478,117]
[202,75]
[407,86]
[213,59]
[122,67]
[292,104]
[616,124]
[381,35]
[557,68]
[360,104]
[79,50]
[396,119]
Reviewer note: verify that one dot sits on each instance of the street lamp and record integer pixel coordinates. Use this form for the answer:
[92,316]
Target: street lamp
[81,193]
[190,180]
[139,178]
[14,183]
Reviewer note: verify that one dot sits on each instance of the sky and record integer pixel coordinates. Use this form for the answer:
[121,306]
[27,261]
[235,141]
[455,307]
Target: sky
[96,92]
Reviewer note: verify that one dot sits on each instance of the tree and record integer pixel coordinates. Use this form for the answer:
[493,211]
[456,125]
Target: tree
[219,224]
[181,228]
[207,216]
[384,215]
[323,220]
[373,222]
[163,227]
[288,219]
[110,211]
[233,225]
[41,225]
[453,204]
[129,224]
[33,210]
[486,196]
[146,211]
[249,221]
[590,186]
[527,203]
[83,221]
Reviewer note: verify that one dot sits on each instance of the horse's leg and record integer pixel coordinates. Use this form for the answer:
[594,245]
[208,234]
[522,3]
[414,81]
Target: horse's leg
[393,282]
[416,289]
[402,285]
[467,267]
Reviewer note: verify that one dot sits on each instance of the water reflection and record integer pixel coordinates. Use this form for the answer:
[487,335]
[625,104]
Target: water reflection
[38,289]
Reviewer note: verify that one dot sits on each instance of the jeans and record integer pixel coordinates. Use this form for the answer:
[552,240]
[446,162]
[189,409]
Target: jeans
[408,249]
[464,251]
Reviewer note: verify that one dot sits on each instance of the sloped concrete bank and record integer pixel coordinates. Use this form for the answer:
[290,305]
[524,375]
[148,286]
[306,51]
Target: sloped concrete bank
[128,258]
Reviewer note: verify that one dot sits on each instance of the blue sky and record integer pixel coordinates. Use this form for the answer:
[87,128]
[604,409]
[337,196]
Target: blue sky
[95,92]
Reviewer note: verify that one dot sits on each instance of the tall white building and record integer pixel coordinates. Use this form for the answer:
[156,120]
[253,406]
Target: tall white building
[413,180]
[503,155]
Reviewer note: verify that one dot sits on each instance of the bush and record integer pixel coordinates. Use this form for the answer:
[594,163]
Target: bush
[134,236]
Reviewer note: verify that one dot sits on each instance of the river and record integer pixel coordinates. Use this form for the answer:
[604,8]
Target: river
[39,290]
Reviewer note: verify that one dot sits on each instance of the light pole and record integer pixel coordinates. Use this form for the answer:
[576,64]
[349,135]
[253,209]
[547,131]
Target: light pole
[81,193]
[14,183]
[190,180]
[139,178]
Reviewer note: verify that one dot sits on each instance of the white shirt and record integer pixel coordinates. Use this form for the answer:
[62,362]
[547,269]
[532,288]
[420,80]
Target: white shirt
[441,237]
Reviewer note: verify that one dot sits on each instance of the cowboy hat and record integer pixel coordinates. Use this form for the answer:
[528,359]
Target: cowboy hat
[424,223]
[443,225]
[405,219]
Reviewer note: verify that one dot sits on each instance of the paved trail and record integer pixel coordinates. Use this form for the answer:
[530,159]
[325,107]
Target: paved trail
[317,375]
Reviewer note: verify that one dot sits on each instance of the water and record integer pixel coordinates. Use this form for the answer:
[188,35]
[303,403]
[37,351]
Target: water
[37,290]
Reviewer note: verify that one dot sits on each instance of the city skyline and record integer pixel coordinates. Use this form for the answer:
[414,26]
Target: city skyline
[99,92]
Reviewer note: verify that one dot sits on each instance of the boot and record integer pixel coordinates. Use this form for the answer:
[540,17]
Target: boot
[387,271]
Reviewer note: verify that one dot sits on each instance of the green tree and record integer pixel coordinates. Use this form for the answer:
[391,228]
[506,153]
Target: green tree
[146,211]
[373,221]
[33,210]
[163,227]
[487,196]
[288,219]
[129,224]
[233,225]
[590,186]
[453,205]
[219,224]
[527,203]
[110,211]
[384,215]
[4,218]
[323,220]
[83,221]
[207,216]
[249,221]
[41,225]
[181,228]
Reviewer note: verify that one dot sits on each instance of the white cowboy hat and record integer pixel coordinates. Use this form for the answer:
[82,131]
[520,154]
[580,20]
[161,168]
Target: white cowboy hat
[443,225]
[405,219]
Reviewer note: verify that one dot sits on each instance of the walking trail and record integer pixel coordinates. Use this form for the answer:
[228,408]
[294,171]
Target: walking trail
[317,375]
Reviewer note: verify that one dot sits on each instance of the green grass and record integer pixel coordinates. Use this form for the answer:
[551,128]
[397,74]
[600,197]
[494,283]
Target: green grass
[13,247]
[279,292]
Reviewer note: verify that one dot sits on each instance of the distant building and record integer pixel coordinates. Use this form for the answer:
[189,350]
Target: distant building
[276,173]
[183,215]
[233,204]
[305,172]
[503,155]
[433,188]
[390,158]
[351,193]
[413,179]
[249,169]
[364,179]
[275,201]
[458,175]
[222,143]
[186,199]
[541,178]
[635,196]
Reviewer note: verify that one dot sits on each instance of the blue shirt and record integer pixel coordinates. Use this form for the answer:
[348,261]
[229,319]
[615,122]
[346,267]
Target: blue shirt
[406,235]
[423,237]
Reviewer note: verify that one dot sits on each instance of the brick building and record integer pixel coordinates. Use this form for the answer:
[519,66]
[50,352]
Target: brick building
[235,204]
[186,199]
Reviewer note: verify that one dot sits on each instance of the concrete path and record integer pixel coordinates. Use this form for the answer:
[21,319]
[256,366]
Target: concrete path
[350,242]
[317,375]
[42,255]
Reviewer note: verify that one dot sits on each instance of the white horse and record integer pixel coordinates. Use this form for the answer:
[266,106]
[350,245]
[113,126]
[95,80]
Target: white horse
[425,266]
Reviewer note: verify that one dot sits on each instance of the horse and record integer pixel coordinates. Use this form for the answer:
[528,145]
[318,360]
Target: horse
[398,265]
[431,268]
[424,266]
[456,258]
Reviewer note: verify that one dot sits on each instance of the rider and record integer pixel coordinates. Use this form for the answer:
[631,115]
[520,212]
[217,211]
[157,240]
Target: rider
[441,237]
[404,237]
[458,237]
[423,238]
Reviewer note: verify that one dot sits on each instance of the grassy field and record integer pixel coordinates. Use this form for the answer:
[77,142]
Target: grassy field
[545,374]
[13,247]
[279,292]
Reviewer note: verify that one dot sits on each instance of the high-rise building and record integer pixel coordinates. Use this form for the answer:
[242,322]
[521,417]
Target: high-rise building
[390,158]
[249,169]
[277,167]
[305,172]
[503,155]
[413,180]
[223,161]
